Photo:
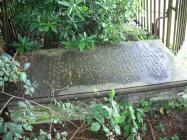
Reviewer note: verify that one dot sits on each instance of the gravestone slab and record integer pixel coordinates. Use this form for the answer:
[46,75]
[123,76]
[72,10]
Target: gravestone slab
[127,67]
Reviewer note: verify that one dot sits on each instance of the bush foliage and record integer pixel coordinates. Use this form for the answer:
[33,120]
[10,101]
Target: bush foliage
[71,21]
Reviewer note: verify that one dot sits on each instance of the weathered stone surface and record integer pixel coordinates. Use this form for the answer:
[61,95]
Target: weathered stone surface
[120,66]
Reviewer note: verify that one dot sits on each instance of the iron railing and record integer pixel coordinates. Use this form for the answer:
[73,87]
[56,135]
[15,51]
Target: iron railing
[166,19]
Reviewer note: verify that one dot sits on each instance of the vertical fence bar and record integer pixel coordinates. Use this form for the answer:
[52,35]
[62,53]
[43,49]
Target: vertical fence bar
[154,22]
[175,26]
[185,18]
[137,14]
[144,14]
[140,15]
[139,11]
[159,9]
[164,20]
[169,23]
[151,29]
[183,26]
[154,11]
[178,25]
[147,15]
[142,20]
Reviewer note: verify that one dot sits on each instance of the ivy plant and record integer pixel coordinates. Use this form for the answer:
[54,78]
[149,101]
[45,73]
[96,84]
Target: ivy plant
[106,117]
[11,71]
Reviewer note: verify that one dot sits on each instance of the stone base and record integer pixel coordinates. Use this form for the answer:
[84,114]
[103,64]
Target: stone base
[131,68]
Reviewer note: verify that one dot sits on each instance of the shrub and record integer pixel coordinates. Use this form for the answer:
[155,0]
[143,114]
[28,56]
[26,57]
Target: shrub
[68,21]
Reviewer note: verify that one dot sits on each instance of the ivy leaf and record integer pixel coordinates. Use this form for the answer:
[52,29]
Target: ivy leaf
[185,108]
[16,128]
[22,104]
[58,136]
[117,130]
[3,128]
[95,126]
[106,129]
[32,89]
[7,136]
[27,127]
[23,77]
[26,66]
[18,135]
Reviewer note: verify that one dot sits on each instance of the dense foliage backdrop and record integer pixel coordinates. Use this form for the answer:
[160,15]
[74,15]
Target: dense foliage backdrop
[71,23]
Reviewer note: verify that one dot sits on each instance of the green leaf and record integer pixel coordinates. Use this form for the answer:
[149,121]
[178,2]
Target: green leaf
[112,94]
[185,107]
[23,76]
[117,130]
[175,137]
[64,3]
[69,11]
[32,89]
[16,128]
[22,104]
[8,136]
[18,135]
[27,127]
[120,119]
[58,136]
[54,28]
[106,129]
[3,128]
[26,66]
[79,1]
[127,129]
[95,126]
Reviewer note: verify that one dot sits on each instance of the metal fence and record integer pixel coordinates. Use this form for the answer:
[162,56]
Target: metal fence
[166,19]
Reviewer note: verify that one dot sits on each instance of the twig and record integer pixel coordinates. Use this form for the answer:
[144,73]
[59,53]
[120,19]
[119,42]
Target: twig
[84,129]
[75,133]
[33,102]
[14,57]
[6,104]
[52,91]
[3,88]
[50,129]
[151,128]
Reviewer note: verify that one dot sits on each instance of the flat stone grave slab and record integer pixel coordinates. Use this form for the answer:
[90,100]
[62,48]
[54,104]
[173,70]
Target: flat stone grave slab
[130,67]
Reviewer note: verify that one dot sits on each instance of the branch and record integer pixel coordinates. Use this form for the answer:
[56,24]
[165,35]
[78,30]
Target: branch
[35,103]
[14,57]
[75,133]
[151,128]
[6,104]
[51,125]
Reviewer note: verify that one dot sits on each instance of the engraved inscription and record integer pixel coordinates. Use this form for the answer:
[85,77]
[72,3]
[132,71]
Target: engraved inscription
[122,64]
